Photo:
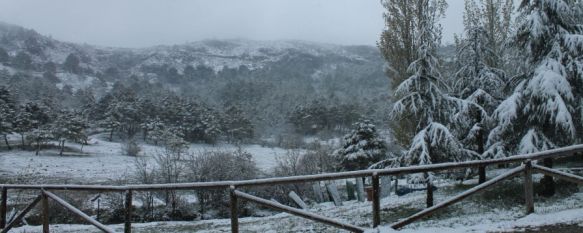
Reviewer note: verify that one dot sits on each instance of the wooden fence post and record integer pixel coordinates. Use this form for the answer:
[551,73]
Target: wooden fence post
[429,200]
[547,182]
[45,216]
[3,208]
[128,212]
[376,204]
[528,190]
[481,174]
[234,211]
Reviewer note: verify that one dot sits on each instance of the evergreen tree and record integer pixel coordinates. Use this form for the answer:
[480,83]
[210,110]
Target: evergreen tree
[423,95]
[544,111]
[41,137]
[7,113]
[22,61]
[71,64]
[478,85]
[4,57]
[69,126]
[237,126]
[361,148]
[399,46]
[30,116]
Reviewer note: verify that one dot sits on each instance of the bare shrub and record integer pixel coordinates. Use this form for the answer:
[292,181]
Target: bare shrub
[317,159]
[131,148]
[210,166]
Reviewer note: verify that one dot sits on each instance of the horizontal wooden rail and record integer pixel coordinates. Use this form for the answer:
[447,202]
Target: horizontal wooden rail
[555,153]
[22,214]
[558,174]
[457,198]
[78,212]
[298,212]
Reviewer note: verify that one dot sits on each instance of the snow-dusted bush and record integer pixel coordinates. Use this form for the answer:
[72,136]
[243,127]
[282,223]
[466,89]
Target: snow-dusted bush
[207,166]
[131,148]
[361,148]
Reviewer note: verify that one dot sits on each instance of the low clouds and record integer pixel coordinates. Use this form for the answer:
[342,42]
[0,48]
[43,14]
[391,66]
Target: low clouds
[138,23]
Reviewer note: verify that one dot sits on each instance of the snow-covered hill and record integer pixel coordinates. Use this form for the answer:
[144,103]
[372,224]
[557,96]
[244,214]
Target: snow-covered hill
[214,54]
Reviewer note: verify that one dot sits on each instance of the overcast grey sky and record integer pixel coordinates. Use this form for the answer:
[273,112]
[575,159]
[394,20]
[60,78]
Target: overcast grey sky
[138,23]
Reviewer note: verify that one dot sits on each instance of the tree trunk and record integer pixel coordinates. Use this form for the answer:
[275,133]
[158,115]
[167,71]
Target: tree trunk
[111,135]
[6,141]
[38,145]
[22,140]
[547,182]
[62,147]
[480,141]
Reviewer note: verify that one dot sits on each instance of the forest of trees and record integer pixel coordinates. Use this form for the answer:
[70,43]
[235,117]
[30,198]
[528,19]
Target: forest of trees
[515,86]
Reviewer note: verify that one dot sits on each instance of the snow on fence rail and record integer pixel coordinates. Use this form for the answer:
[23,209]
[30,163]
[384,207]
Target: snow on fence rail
[374,174]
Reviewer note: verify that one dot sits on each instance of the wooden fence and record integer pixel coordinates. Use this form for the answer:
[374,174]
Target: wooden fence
[526,168]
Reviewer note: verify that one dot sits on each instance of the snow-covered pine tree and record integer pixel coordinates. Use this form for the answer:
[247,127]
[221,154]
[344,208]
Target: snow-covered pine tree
[399,45]
[545,109]
[478,85]
[7,113]
[361,148]
[237,126]
[41,137]
[29,116]
[69,126]
[424,95]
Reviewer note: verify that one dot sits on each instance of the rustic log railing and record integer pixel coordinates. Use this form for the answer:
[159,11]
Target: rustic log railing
[527,168]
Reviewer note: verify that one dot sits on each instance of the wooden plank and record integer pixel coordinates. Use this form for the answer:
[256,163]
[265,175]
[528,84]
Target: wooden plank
[528,190]
[45,215]
[234,210]
[318,192]
[299,212]
[376,203]
[333,193]
[360,189]
[558,174]
[350,190]
[3,208]
[78,212]
[457,198]
[21,214]
[298,200]
[128,212]
[385,186]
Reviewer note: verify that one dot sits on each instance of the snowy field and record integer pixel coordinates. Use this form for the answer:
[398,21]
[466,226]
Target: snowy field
[103,161]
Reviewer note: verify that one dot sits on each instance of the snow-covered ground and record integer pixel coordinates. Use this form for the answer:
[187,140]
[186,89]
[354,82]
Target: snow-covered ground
[468,216]
[102,161]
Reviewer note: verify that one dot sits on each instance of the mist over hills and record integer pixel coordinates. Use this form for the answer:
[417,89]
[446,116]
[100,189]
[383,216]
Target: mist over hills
[272,76]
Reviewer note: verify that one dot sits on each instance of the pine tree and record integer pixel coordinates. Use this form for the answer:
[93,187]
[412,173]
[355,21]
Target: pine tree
[544,111]
[69,126]
[30,116]
[71,64]
[400,48]
[237,126]
[7,113]
[424,96]
[4,57]
[361,148]
[477,83]
[22,61]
